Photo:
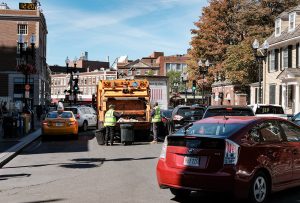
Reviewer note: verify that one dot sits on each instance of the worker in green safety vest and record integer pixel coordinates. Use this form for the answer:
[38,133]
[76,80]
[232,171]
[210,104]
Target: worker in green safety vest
[110,121]
[156,119]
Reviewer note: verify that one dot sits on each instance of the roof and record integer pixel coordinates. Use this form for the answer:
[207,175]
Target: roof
[228,106]
[230,119]
[289,73]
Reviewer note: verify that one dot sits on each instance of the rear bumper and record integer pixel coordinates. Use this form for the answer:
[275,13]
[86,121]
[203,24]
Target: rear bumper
[220,181]
[59,131]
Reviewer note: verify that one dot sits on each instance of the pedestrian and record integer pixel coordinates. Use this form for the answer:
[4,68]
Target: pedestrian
[156,119]
[110,121]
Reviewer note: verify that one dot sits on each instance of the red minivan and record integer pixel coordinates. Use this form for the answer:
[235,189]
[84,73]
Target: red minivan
[247,156]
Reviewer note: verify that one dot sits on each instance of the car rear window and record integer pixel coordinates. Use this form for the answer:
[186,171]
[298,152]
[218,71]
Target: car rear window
[74,110]
[62,115]
[269,110]
[185,112]
[228,112]
[167,113]
[210,129]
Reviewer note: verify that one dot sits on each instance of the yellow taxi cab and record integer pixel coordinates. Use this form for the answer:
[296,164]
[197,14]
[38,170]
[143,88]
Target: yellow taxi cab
[60,123]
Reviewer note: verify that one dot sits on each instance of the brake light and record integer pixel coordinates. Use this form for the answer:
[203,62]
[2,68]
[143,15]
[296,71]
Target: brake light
[163,119]
[163,152]
[46,123]
[231,152]
[77,116]
[229,109]
[177,118]
[72,122]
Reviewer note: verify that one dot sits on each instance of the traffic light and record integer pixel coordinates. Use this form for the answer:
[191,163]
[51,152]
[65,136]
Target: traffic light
[76,87]
[194,85]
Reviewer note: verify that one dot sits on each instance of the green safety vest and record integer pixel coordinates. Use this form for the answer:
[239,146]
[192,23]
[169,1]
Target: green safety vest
[156,118]
[110,119]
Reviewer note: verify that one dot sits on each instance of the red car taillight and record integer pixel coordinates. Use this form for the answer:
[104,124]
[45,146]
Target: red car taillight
[231,152]
[163,119]
[72,122]
[163,152]
[46,123]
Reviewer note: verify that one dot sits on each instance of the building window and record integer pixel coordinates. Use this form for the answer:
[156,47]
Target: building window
[178,67]
[130,72]
[285,59]
[94,80]
[290,96]
[22,29]
[155,72]
[138,72]
[277,27]
[292,21]
[272,93]
[272,61]
[168,67]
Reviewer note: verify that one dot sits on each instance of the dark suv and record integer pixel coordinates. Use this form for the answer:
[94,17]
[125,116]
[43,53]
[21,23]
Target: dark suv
[183,115]
[228,111]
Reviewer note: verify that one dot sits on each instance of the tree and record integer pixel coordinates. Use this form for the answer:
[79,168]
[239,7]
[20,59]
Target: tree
[174,77]
[224,34]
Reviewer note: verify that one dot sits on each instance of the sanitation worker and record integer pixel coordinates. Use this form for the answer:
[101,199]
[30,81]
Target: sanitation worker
[156,119]
[110,121]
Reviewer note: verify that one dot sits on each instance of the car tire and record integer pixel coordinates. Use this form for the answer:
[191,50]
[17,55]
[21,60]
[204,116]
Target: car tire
[259,189]
[85,126]
[180,193]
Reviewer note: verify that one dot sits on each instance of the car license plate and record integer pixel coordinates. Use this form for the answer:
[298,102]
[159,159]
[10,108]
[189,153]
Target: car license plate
[191,161]
[59,124]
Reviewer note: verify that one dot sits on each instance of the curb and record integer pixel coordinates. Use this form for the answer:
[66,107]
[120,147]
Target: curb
[12,152]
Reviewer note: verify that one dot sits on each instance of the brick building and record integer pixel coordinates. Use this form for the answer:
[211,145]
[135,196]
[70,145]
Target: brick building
[89,74]
[25,22]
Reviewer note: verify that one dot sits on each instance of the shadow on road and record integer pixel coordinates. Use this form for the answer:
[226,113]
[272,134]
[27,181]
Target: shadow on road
[8,176]
[48,200]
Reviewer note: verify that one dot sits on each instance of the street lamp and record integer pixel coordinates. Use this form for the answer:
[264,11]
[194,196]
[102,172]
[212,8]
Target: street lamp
[24,66]
[259,60]
[203,69]
[184,80]
[67,61]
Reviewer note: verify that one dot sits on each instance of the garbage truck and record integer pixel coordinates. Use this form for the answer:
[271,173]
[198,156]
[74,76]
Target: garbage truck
[130,96]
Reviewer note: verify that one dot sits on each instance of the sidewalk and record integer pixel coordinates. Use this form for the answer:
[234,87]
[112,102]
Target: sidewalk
[6,143]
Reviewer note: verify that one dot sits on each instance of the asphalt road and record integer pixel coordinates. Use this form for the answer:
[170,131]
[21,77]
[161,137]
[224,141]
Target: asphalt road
[64,170]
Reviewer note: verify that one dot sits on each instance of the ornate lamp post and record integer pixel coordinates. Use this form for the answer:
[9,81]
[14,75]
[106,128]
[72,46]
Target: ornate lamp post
[67,61]
[24,66]
[203,68]
[259,60]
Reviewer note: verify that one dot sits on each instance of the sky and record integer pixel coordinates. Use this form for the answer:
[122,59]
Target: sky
[108,29]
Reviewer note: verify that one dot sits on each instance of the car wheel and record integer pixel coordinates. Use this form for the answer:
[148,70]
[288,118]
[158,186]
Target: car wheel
[180,193]
[259,190]
[85,126]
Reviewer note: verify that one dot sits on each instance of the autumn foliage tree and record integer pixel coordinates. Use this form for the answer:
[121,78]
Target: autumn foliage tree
[224,34]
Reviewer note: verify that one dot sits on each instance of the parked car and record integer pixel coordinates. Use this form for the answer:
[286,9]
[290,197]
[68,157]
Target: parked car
[228,111]
[296,119]
[182,115]
[269,110]
[60,123]
[165,124]
[247,156]
[85,115]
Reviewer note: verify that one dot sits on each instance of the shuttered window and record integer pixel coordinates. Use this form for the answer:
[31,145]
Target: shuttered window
[276,59]
[272,91]
[285,58]
[280,94]
[290,95]
[290,57]
[281,68]
[272,61]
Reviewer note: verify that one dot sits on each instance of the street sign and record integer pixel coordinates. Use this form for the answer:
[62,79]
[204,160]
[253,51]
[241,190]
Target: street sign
[26,94]
[27,87]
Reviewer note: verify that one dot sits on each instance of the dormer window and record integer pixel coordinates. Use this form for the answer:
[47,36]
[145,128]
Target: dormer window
[292,18]
[277,27]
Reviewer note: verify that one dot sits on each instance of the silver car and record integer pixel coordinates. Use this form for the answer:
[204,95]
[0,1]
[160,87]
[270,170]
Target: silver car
[85,115]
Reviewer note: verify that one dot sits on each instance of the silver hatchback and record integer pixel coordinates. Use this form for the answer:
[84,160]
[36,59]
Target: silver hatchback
[85,115]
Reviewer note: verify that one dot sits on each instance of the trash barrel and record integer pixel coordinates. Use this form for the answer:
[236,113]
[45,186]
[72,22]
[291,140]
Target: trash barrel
[127,134]
[100,136]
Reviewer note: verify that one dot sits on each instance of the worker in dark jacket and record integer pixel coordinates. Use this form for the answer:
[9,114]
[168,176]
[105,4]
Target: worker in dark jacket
[110,121]
[156,119]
